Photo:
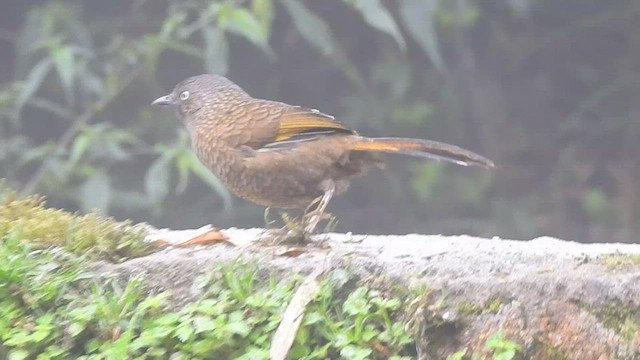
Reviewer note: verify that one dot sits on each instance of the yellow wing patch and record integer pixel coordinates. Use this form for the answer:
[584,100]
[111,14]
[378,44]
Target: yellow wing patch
[303,121]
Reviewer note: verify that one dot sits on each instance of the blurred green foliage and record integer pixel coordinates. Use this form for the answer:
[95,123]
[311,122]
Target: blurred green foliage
[547,89]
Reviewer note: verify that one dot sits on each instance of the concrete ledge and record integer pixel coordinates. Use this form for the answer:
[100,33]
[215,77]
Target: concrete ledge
[554,297]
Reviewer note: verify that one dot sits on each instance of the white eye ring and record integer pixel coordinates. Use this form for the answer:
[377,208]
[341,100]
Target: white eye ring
[184,95]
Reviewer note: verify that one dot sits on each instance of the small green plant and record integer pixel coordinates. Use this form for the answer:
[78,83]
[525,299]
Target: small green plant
[50,308]
[503,348]
[363,320]
[500,347]
[620,317]
[32,283]
[458,355]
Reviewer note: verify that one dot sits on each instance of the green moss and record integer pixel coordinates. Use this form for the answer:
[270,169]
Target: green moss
[469,308]
[621,261]
[494,306]
[91,234]
[622,318]
[553,353]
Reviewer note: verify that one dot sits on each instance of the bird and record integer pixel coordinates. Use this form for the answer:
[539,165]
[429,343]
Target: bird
[284,156]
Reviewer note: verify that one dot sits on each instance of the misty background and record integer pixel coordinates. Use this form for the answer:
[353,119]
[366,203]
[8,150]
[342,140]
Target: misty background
[549,90]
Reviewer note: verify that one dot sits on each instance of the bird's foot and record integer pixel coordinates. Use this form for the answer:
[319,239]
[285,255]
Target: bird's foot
[287,236]
[298,230]
[291,233]
[294,230]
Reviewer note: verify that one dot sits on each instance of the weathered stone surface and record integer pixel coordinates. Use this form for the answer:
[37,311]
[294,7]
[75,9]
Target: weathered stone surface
[558,299]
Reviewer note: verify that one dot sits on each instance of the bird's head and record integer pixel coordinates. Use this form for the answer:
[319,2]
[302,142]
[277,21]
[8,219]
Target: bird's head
[200,93]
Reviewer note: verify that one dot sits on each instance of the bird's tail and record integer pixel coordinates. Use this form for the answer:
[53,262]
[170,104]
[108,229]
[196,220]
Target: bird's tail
[422,148]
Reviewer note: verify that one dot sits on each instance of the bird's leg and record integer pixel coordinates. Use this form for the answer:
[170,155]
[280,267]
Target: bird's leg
[316,215]
[309,208]
[267,221]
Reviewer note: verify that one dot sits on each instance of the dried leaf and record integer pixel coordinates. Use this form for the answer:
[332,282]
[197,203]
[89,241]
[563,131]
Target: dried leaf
[211,237]
[380,349]
[183,238]
[291,251]
[292,317]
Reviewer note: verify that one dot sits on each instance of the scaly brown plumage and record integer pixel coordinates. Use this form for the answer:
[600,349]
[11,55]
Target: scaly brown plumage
[285,156]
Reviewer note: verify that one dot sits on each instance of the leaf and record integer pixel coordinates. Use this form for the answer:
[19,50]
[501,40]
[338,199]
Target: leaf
[184,332]
[293,315]
[171,24]
[426,178]
[263,10]
[379,17]
[504,349]
[36,153]
[75,328]
[355,352]
[80,145]
[206,235]
[182,164]
[39,335]
[596,203]
[18,354]
[504,355]
[419,19]
[291,251]
[216,50]
[242,22]
[92,82]
[64,62]
[237,325]
[211,237]
[245,23]
[312,28]
[95,193]
[357,302]
[205,175]
[32,83]
[153,302]
[119,348]
[203,324]
[37,26]
[318,33]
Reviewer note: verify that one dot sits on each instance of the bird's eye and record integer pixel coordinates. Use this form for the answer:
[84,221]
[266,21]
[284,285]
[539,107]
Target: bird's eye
[184,95]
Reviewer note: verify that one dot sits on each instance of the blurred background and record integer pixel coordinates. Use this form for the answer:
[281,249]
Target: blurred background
[550,90]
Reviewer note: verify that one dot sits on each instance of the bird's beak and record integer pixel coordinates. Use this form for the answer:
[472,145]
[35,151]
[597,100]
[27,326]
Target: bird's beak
[163,100]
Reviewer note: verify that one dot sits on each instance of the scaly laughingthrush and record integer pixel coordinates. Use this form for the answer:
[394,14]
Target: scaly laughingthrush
[284,156]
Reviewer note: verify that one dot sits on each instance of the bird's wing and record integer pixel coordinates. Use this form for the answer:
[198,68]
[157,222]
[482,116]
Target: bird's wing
[291,125]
